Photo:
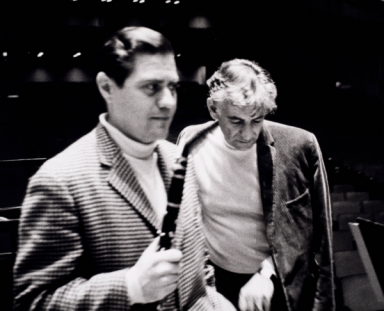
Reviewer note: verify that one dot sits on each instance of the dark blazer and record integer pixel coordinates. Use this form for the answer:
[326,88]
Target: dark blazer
[297,211]
[85,220]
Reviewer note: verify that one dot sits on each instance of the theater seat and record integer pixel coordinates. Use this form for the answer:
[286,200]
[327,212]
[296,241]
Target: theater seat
[348,263]
[379,217]
[343,241]
[373,206]
[344,219]
[343,207]
[10,212]
[337,197]
[357,196]
[343,188]
[358,294]
[8,248]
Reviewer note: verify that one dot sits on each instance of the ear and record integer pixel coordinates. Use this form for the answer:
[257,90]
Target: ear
[105,85]
[212,108]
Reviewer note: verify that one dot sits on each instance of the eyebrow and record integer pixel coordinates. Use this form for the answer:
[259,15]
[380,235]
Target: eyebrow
[152,80]
[237,118]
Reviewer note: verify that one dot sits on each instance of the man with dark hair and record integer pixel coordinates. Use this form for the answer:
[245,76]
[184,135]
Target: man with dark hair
[87,238]
[264,197]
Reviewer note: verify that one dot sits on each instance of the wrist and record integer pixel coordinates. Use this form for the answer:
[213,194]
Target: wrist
[267,272]
[267,269]
[134,290]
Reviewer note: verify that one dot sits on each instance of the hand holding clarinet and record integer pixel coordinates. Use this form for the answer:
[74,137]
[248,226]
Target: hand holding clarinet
[156,273]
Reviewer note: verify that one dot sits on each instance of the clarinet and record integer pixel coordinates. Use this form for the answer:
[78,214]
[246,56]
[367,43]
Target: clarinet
[174,200]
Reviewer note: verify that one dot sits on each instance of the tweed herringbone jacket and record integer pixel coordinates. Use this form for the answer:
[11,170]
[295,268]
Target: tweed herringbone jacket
[85,220]
[297,213]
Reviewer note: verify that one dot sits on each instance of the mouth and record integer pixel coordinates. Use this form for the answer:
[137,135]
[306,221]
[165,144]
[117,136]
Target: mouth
[244,142]
[161,118]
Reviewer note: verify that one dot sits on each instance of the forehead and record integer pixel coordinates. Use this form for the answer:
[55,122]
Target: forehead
[243,112]
[157,66]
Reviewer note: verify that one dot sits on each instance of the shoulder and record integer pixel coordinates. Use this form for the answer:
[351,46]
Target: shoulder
[192,131]
[280,129]
[287,134]
[168,151]
[77,158]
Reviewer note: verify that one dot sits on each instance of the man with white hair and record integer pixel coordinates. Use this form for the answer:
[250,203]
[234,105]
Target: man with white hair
[264,197]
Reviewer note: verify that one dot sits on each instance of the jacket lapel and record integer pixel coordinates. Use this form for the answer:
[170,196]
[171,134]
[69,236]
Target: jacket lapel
[266,153]
[164,162]
[122,177]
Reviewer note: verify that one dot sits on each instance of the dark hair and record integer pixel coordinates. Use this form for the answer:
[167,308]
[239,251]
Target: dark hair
[116,57]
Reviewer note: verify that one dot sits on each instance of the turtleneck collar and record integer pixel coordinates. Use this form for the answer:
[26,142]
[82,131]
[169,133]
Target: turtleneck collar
[127,145]
[221,138]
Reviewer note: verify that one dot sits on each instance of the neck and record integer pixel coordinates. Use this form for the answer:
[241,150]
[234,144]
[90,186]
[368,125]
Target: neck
[127,144]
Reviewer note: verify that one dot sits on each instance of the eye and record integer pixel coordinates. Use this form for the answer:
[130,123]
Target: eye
[257,121]
[235,121]
[173,86]
[152,88]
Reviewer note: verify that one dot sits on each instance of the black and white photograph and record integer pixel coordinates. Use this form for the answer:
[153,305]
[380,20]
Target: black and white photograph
[191,155]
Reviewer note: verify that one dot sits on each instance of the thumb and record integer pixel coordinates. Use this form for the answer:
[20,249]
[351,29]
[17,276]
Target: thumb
[153,247]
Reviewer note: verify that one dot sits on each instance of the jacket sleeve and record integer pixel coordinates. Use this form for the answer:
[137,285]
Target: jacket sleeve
[323,256]
[50,271]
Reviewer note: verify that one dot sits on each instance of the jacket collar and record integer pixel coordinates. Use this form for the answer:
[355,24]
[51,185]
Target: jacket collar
[122,176]
[265,137]
[266,155]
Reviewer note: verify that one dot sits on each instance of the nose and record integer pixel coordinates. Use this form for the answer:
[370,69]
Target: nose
[167,99]
[247,133]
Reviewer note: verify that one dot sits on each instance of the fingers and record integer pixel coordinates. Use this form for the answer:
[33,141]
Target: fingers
[252,304]
[156,273]
[243,304]
[267,304]
[170,255]
[256,295]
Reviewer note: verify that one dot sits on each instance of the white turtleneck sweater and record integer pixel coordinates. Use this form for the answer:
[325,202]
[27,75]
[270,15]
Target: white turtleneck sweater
[232,207]
[143,161]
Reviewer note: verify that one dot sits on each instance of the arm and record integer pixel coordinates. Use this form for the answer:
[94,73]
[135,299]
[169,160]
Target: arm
[323,259]
[50,271]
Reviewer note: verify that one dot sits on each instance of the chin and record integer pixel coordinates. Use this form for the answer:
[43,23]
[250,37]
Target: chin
[243,147]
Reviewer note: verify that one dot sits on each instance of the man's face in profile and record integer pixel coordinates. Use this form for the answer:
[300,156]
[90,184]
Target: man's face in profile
[143,108]
[241,125]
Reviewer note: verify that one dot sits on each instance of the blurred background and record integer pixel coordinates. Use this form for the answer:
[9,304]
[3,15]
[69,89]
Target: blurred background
[326,57]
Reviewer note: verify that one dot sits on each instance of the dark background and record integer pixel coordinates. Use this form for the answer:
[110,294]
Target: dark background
[326,57]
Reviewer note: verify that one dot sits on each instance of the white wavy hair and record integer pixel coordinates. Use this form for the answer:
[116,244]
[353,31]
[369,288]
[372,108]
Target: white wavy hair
[244,83]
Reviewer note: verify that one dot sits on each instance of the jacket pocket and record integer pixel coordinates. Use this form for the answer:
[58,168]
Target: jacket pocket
[302,200]
[298,217]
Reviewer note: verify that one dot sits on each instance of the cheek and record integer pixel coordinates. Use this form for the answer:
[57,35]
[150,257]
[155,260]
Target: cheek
[232,132]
